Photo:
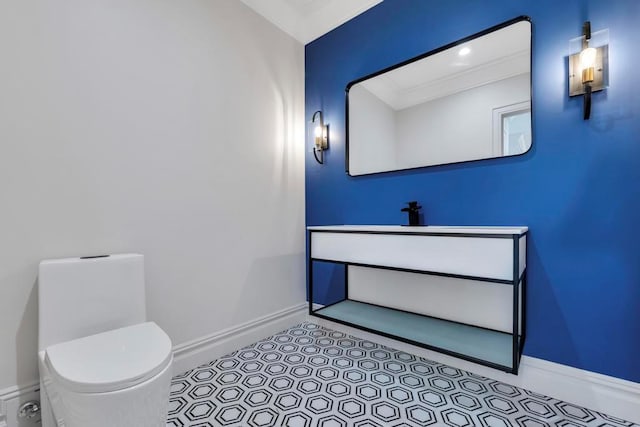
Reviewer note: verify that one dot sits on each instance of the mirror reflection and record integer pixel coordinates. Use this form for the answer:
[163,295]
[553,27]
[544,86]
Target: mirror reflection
[467,101]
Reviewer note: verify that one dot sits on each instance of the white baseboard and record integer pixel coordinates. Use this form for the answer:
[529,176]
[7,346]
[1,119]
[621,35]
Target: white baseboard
[202,350]
[186,356]
[11,399]
[602,393]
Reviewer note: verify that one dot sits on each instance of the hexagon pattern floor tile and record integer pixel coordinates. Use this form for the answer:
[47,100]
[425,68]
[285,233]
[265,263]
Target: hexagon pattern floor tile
[312,376]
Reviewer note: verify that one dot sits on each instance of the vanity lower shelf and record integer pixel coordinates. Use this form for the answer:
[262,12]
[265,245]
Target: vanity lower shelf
[469,342]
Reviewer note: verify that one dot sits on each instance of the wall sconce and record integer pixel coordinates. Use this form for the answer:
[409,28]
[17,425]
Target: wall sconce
[320,136]
[588,69]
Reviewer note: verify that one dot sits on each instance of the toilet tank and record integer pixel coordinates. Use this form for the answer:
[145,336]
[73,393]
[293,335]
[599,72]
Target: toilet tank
[78,297]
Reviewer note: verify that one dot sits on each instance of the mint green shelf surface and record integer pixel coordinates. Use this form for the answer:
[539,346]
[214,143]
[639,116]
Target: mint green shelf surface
[490,346]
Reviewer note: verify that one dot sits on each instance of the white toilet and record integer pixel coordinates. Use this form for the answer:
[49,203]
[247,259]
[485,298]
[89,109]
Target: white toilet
[101,363]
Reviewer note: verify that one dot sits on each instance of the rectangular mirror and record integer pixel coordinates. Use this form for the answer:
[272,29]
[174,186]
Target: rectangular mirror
[466,101]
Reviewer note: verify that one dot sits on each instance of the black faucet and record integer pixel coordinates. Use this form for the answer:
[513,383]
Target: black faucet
[414,212]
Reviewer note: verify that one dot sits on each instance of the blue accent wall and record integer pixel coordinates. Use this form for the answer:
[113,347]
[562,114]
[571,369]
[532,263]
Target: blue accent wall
[578,189]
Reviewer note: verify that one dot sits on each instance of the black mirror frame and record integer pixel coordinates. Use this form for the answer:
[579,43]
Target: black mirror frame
[425,55]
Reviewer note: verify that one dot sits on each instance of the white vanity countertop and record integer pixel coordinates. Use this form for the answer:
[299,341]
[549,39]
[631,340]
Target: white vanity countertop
[517,230]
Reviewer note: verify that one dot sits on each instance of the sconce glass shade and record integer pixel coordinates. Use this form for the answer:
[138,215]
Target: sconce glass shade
[589,65]
[320,136]
[320,132]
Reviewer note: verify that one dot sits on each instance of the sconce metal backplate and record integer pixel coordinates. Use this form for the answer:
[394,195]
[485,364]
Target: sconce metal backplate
[600,78]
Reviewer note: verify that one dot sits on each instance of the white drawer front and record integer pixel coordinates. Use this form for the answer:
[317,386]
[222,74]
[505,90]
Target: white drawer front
[469,256]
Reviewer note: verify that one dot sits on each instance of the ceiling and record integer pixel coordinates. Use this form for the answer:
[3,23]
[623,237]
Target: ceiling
[492,57]
[306,20]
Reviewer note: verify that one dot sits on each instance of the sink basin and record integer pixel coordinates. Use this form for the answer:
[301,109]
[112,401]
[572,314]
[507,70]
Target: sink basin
[518,230]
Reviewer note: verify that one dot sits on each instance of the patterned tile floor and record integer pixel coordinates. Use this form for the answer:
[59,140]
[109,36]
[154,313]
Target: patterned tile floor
[312,376]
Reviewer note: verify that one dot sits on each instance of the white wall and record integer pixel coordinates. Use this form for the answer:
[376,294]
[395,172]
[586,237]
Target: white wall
[169,128]
[373,122]
[457,127]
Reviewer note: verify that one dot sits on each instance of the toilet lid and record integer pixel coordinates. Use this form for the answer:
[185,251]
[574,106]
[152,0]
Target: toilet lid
[111,360]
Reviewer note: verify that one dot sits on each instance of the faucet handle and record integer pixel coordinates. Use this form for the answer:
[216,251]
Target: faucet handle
[413,207]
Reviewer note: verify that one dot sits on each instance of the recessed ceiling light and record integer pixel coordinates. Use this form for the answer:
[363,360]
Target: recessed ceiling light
[464,51]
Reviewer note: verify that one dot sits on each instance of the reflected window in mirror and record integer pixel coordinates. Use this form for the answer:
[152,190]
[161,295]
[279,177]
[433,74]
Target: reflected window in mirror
[512,129]
[466,101]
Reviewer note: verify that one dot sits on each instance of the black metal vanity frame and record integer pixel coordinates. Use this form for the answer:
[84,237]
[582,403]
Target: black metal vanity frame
[518,334]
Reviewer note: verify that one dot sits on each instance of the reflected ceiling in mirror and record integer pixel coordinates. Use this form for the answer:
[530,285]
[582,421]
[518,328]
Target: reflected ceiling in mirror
[469,100]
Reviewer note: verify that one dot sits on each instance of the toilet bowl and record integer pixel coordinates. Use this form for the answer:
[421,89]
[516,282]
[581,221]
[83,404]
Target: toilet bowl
[108,367]
[116,378]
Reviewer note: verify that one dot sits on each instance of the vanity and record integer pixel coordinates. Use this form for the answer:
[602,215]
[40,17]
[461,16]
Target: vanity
[456,290]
